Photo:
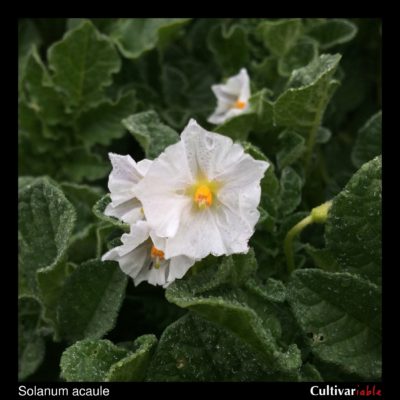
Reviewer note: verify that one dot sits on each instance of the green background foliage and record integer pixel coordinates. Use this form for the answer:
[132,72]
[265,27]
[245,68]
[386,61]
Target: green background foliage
[129,86]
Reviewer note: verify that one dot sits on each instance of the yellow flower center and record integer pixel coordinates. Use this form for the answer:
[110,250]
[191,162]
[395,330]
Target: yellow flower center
[239,104]
[203,192]
[157,255]
[203,196]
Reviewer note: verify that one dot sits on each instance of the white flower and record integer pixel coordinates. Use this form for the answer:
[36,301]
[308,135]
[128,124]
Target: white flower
[124,177]
[140,259]
[202,195]
[232,97]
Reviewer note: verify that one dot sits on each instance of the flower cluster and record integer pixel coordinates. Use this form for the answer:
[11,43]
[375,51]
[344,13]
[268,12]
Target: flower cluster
[198,197]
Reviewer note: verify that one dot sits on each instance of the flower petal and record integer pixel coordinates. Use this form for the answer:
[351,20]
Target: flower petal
[162,190]
[239,85]
[245,86]
[130,211]
[138,234]
[143,166]
[241,190]
[135,261]
[155,276]
[219,118]
[238,173]
[178,267]
[203,149]
[197,236]
[158,241]
[237,88]
[224,105]
[124,177]
[131,261]
[243,203]
[234,229]
[134,255]
[223,95]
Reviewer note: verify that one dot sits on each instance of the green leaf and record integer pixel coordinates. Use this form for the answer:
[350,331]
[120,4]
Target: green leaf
[310,374]
[90,300]
[354,227]
[323,258]
[264,110]
[301,54]
[332,32]
[31,133]
[80,163]
[102,361]
[236,270]
[255,152]
[45,223]
[292,147]
[103,123]
[291,185]
[194,349]
[41,96]
[83,245]
[302,105]
[150,132]
[28,37]
[24,181]
[341,313]
[270,190]
[229,46]
[50,282]
[102,24]
[133,368]
[107,237]
[265,73]
[31,346]
[98,210]
[214,293]
[273,290]
[135,36]
[369,141]
[90,360]
[280,36]
[83,198]
[239,127]
[175,86]
[83,63]
[50,279]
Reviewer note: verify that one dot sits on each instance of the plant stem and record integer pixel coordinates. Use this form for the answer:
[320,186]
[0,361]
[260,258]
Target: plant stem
[317,215]
[288,243]
[320,214]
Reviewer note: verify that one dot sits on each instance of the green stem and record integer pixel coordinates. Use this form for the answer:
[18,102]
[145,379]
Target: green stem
[288,243]
[317,215]
[320,214]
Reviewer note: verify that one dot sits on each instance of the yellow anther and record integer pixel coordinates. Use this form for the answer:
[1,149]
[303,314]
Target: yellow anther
[239,104]
[157,255]
[203,196]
